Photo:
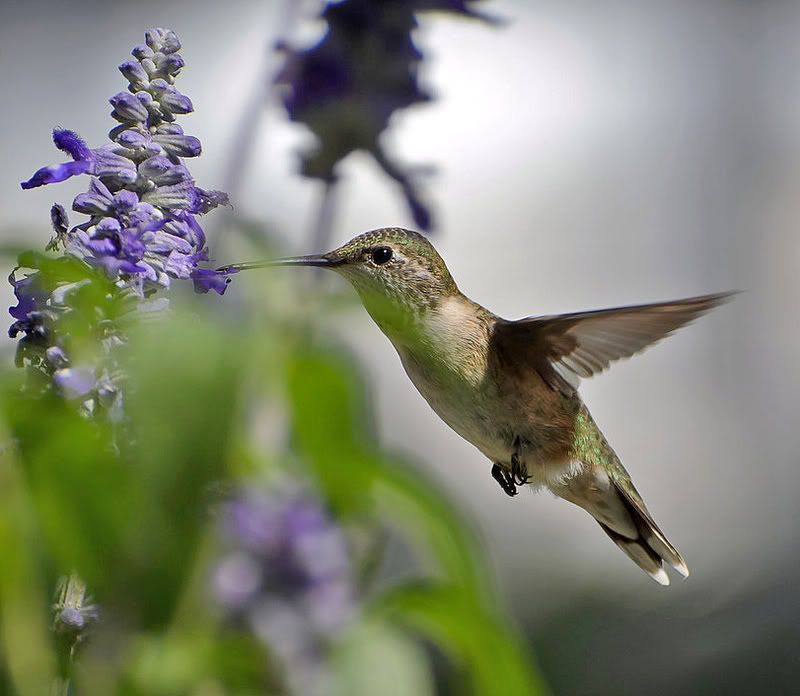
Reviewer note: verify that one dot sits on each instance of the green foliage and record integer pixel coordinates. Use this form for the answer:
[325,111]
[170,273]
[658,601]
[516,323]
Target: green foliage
[136,522]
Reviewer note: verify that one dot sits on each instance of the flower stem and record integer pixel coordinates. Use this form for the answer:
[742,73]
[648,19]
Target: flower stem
[247,129]
[323,225]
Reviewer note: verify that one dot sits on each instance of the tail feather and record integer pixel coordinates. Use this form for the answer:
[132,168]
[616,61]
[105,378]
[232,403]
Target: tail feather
[641,554]
[604,489]
[649,531]
[619,510]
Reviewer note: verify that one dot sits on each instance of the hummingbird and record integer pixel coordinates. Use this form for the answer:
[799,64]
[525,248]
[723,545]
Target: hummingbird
[510,387]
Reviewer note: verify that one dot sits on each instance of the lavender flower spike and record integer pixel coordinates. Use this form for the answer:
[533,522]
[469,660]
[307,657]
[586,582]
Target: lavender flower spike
[141,229]
[139,183]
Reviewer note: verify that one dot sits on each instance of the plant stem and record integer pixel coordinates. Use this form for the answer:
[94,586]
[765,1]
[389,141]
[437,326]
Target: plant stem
[323,225]
[247,128]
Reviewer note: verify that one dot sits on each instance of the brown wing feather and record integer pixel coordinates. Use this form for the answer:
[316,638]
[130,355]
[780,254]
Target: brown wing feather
[565,346]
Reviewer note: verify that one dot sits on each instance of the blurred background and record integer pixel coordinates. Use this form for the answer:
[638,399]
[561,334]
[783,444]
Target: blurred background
[587,155]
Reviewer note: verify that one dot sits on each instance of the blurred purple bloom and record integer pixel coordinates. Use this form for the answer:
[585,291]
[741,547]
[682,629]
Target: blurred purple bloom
[347,86]
[75,382]
[286,575]
[30,298]
[74,611]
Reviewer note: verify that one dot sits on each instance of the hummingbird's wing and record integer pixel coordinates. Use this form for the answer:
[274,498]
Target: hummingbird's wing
[566,347]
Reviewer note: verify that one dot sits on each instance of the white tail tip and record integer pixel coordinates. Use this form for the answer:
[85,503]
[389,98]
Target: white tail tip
[660,576]
[682,568]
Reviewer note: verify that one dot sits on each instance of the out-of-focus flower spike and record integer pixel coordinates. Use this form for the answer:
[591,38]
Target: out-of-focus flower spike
[287,575]
[326,84]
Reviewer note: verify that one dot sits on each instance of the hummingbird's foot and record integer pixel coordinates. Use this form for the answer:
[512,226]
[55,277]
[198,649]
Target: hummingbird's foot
[519,473]
[505,479]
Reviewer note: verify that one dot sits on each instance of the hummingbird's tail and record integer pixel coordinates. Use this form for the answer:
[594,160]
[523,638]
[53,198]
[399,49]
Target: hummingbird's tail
[651,548]
[604,489]
[623,516]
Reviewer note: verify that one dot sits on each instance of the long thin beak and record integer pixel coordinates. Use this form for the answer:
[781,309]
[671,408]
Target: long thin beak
[311,260]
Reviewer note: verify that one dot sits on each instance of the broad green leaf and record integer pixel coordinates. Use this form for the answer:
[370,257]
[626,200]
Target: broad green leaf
[24,616]
[330,424]
[492,657]
[183,403]
[439,531]
[375,659]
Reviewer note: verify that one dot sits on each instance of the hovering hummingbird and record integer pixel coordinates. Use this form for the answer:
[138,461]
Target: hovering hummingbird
[509,387]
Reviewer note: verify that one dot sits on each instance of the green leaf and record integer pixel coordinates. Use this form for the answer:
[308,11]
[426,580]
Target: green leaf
[492,656]
[375,659]
[185,378]
[24,603]
[128,519]
[330,424]
[418,509]
[72,475]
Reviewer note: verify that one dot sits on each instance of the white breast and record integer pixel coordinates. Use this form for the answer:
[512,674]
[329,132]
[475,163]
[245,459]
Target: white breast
[449,369]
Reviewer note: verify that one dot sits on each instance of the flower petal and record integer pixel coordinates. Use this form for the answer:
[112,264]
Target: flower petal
[95,201]
[75,382]
[205,280]
[70,142]
[60,172]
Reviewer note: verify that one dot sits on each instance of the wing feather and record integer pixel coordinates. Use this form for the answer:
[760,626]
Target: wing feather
[565,346]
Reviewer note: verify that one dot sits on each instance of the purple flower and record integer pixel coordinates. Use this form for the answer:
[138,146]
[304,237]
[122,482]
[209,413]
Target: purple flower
[141,229]
[286,576]
[206,280]
[139,183]
[30,298]
[75,382]
[100,162]
[73,610]
[347,86]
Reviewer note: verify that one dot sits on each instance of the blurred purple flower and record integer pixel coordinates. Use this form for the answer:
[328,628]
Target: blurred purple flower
[347,86]
[73,611]
[286,576]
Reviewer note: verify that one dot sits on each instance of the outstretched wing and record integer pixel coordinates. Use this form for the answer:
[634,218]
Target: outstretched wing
[566,347]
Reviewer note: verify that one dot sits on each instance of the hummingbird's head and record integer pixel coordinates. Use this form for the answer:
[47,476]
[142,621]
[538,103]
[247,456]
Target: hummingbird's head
[396,272]
[396,266]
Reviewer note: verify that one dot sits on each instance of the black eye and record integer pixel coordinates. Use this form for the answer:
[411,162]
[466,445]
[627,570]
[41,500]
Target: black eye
[381,255]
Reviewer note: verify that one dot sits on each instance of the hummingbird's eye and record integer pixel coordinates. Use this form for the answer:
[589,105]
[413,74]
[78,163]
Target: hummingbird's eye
[381,255]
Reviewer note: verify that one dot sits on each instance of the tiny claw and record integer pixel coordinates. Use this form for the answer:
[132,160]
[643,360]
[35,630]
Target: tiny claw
[519,473]
[505,480]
